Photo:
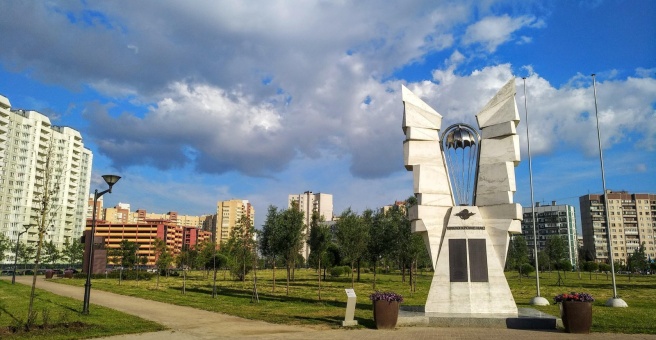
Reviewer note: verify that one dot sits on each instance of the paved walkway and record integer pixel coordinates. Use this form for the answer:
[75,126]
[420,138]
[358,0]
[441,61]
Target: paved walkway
[190,323]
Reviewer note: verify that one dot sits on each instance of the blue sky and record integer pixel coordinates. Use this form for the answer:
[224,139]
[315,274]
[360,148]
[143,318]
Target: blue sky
[199,101]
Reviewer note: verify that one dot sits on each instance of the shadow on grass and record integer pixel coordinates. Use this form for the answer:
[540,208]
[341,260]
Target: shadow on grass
[247,295]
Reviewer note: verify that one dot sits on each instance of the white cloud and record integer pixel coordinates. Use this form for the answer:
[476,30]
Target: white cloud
[493,31]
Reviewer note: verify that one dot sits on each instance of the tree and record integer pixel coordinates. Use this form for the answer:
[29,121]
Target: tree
[50,253]
[289,237]
[380,239]
[163,257]
[5,245]
[73,252]
[555,249]
[352,237]
[50,177]
[517,254]
[268,238]
[590,266]
[241,247]
[637,262]
[25,253]
[318,241]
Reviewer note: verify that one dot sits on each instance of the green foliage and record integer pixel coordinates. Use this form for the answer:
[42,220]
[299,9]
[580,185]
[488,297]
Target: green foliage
[125,255]
[517,254]
[73,252]
[526,269]
[340,270]
[352,237]
[51,254]
[555,249]
[240,248]
[5,245]
[637,262]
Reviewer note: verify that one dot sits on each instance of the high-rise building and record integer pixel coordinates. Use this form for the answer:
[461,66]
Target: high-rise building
[228,215]
[27,141]
[308,203]
[632,219]
[550,220]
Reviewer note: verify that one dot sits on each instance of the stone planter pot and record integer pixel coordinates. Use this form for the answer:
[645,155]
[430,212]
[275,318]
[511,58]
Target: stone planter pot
[49,274]
[576,316]
[386,314]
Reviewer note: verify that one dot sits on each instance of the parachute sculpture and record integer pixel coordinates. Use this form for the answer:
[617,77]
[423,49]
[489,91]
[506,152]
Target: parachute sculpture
[460,146]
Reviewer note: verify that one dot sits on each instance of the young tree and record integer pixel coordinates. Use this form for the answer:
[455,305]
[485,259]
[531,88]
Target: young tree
[637,262]
[25,253]
[590,266]
[241,246]
[318,241]
[380,239]
[5,245]
[47,204]
[352,235]
[555,249]
[73,252]
[50,253]
[517,255]
[289,239]
[163,257]
[268,238]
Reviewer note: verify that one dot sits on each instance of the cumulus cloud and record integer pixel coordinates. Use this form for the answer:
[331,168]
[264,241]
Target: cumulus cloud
[492,31]
[252,87]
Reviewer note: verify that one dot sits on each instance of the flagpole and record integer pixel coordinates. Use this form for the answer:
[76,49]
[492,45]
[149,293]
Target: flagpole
[537,300]
[615,301]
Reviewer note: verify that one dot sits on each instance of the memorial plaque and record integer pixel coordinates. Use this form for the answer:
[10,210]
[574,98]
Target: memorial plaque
[478,260]
[458,260]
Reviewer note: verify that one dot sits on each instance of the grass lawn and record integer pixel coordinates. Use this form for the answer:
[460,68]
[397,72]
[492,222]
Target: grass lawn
[63,319]
[302,305]
[638,294]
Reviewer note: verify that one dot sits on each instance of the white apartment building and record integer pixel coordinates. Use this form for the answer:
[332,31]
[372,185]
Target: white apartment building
[25,138]
[308,203]
[551,220]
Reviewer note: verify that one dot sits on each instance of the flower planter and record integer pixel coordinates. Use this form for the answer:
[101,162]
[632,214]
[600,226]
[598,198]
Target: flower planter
[576,316]
[49,274]
[386,313]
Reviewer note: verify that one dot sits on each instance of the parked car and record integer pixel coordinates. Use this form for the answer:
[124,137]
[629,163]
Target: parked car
[7,272]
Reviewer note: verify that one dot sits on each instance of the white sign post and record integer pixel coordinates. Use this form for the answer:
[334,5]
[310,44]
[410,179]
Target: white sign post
[350,309]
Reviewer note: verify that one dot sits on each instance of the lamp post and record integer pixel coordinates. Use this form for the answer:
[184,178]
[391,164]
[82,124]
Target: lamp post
[110,180]
[615,301]
[13,275]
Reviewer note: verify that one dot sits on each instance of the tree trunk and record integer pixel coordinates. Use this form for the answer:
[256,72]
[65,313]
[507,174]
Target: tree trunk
[352,276]
[36,268]
[375,262]
[319,278]
[274,274]
[289,271]
[358,270]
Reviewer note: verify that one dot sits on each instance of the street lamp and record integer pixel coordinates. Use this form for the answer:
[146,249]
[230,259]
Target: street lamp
[13,276]
[110,180]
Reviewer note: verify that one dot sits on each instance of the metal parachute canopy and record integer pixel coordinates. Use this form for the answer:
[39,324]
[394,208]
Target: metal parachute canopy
[460,143]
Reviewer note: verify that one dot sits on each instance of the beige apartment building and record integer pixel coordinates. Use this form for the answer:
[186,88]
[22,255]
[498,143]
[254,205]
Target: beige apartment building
[309,202]
[228,215]
[27,138]
[632,219]
[121,213]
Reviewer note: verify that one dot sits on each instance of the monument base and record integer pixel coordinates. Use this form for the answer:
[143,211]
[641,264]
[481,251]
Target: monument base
[526,318]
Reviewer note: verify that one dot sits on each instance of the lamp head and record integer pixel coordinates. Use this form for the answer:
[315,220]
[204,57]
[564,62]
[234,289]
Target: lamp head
[111,180]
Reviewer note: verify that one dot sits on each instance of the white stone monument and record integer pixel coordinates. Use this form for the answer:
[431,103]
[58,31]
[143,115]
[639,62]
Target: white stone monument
[467,234]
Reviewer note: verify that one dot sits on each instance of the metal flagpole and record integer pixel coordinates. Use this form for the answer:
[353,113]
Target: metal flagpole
[615,301]
[537,300]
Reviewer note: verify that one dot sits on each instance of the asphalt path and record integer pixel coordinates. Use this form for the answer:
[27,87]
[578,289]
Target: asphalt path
[190,323]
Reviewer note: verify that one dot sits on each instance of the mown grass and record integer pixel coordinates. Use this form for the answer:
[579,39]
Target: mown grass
[63,319]
[638,292]
[302,305]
